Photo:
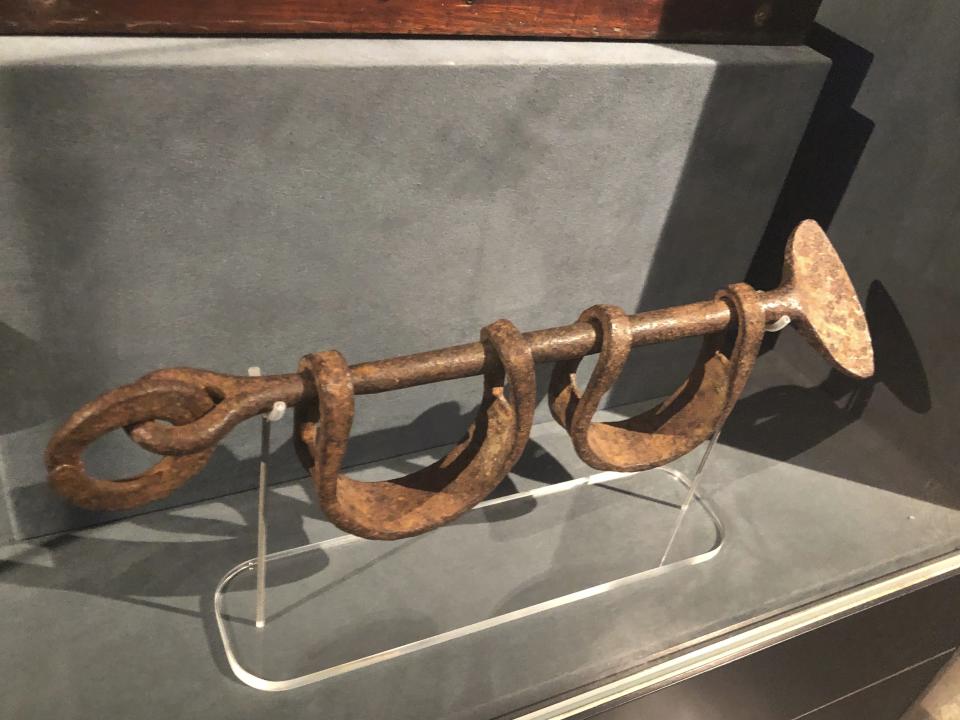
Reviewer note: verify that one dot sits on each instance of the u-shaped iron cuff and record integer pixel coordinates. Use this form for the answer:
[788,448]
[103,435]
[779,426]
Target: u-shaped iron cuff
[436,494]
[682,421]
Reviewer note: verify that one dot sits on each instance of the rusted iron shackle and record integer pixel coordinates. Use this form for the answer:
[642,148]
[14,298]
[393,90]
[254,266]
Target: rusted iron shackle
[182,413]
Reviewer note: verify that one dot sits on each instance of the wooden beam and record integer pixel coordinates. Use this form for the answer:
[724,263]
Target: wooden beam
[722,21]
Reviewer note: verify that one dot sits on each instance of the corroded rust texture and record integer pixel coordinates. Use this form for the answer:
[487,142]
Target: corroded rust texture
[181,413]
[167,400]
[436,494]
[828,314]
[682,421]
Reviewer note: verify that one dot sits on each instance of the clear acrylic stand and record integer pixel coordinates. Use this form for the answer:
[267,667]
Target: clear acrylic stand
[347,603]
[275,414]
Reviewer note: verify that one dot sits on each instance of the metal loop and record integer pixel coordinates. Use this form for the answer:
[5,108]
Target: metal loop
[235,399]
[168,400]
[682,421]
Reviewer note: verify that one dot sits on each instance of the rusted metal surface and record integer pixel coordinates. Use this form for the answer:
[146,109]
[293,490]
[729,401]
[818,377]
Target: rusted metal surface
[438,493]
[827,311]
[682,421]
[182,412]
[166,400]
[756,22]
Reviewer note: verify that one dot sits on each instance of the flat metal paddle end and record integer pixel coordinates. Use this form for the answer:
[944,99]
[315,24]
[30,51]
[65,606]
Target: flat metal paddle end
[830,315]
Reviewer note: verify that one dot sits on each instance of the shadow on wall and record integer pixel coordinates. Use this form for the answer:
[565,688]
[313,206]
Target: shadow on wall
[711,229]
[146,571]
[786,422]
[225,473]
[61,227]
[25,381]
[826,158]
[678,16]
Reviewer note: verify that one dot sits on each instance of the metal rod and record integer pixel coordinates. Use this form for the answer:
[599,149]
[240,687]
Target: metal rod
[549,345]
[245,397]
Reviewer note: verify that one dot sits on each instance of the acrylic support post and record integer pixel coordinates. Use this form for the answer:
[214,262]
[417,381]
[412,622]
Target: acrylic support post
[507,559]
[275,414]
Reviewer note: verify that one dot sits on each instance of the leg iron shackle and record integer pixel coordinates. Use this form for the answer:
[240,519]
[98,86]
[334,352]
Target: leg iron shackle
[182,413]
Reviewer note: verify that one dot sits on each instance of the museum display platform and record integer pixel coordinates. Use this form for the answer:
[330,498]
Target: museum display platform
[142,641]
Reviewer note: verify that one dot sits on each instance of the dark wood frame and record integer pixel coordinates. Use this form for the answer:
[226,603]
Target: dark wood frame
[725,21]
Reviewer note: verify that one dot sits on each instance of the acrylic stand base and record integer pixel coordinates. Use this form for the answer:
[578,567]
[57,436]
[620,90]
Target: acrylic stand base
[346,603]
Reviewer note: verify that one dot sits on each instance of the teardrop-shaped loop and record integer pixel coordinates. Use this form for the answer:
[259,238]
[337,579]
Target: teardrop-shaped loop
[681,422]
[437,494]
[168,400]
